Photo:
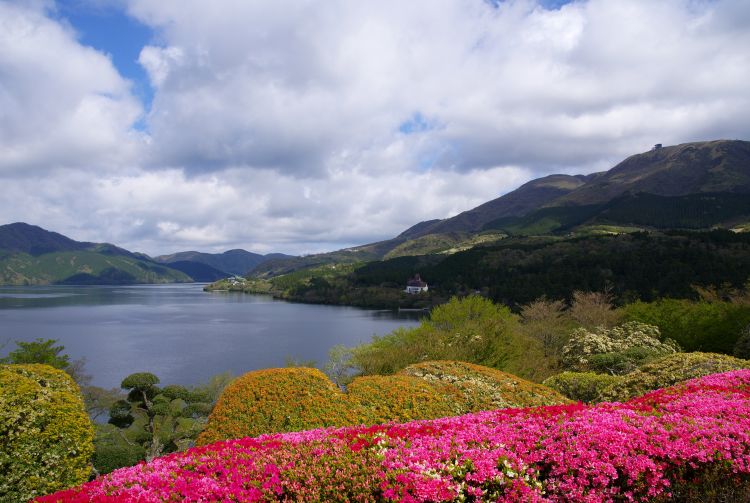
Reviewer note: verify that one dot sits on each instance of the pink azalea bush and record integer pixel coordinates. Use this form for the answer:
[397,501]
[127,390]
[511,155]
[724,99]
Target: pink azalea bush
[633,451]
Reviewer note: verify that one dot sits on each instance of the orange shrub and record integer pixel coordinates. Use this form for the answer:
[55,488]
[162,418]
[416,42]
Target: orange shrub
[403,398]
[484,388]
[276,400]
[294,399]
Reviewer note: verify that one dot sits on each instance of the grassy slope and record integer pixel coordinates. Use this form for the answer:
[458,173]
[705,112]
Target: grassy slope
[24,269]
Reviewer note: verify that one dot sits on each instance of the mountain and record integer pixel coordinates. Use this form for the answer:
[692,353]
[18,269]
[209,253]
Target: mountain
[721,166]
[30,255]
[199,271]
[696,185]
[238,262]
[690,186]
[527,197]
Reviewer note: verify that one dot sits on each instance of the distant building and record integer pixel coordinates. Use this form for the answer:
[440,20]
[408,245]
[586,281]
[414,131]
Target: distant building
[657,146]
[416,285]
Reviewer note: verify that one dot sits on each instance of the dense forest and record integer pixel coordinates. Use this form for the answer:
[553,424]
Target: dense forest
[638,266]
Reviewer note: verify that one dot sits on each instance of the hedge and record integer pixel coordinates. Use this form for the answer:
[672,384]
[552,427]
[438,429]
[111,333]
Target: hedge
[276,400]
[46,437]
[402,398]
[294,399]
[667,371]
[484,388]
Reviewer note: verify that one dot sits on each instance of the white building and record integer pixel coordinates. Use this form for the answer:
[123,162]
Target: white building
[416,285]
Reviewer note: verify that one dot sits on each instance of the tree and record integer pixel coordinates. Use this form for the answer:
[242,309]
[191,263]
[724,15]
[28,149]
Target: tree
[339,367]
[39,351]
[160,420]
[546,321]
[593,309]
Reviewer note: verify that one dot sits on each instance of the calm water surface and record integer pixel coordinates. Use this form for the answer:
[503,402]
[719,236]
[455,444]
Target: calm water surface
[179,332]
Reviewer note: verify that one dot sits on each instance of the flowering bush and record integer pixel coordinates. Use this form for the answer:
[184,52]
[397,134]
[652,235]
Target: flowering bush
[636,451]
[618,345]
[45,434]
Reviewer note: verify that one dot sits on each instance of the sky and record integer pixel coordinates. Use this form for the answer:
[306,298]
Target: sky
[299,127]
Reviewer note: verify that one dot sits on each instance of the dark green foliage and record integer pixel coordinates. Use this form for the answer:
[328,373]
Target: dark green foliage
[119,414]
[692,211]
[742,346]
[622,362]
[114,450]
[581,386]
[140,381]
[644,266]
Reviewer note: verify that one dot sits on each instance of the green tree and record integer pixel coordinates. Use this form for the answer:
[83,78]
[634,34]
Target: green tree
[471,329]
[157,420]
[39,351]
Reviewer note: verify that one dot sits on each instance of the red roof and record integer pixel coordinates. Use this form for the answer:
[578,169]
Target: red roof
[416,281]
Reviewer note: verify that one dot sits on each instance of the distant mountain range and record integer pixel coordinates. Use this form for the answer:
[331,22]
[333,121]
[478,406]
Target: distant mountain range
[697,185]
[232,262]
[30,255]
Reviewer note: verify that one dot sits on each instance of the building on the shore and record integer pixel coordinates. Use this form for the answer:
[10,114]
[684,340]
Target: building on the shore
[416,285]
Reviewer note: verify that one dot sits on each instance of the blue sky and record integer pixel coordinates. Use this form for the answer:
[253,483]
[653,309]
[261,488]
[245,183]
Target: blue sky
[109,29]
[299,127]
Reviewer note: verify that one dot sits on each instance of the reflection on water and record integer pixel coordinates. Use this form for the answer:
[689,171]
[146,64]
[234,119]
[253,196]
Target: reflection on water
[179,332]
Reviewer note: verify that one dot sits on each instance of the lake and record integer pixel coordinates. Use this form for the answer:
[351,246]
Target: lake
[180,333]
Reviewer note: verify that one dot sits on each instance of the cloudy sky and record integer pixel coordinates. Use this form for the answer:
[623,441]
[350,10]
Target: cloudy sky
[301,126]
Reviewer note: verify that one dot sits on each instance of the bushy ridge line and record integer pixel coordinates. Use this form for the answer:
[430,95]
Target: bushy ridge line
[643,450]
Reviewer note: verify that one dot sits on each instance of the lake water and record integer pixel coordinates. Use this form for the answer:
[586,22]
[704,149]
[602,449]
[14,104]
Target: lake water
[180,333]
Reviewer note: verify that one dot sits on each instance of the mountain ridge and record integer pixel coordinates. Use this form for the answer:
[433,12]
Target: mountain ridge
[236,261]
[675,176]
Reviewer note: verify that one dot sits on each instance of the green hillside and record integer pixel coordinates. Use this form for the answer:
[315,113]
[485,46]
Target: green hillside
[30,255]
[643,210]
[82,268]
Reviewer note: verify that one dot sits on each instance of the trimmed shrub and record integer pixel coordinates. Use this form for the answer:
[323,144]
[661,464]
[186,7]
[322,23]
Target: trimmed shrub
[667,371]
[581,386]
[293,399]
[46,437]
[403,398]
[484,388]
[277,400]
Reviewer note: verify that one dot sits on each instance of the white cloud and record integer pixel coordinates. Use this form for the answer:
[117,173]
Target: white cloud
[303,126]
[61,104]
